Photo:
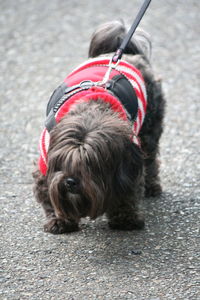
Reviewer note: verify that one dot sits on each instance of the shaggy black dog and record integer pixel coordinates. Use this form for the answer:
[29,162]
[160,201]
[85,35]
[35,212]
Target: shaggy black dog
[99,151]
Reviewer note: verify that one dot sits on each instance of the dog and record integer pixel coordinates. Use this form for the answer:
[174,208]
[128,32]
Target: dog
[99,149]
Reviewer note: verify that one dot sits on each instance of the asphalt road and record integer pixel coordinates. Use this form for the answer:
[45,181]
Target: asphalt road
[41,41]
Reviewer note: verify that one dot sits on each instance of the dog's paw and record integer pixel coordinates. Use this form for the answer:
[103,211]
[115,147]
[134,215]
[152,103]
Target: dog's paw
[154,190]
[127,223]
[58,226]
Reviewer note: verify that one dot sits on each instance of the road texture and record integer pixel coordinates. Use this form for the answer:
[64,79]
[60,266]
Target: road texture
[41,41]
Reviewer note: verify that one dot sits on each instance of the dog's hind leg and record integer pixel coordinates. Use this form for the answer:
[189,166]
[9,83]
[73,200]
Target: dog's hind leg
[150,136]
[152,180]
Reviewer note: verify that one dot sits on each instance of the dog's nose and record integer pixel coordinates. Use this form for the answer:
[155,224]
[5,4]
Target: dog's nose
[71,184]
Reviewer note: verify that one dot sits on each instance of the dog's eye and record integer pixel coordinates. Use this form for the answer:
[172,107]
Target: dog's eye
[70,182]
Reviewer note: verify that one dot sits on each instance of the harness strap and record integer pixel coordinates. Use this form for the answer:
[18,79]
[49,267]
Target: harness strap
[58,98]
[122,88]
[119,86]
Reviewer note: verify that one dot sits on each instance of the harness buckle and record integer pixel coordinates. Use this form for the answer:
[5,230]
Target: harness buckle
[87,83]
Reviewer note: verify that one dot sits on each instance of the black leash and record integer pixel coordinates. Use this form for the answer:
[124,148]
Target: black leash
[62,94]
[118,54]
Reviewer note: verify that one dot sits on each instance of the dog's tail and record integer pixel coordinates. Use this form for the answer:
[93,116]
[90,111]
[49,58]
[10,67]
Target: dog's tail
[108,38]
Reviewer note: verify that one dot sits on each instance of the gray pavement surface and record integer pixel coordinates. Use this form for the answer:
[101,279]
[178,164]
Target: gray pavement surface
[41,41]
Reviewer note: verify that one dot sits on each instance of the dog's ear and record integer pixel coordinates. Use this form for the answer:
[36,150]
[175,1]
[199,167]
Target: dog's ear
[129,170]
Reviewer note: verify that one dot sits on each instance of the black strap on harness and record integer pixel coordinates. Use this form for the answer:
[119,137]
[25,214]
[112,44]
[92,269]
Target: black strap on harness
[123,90]
[118,54]
[59,97]
[119,86]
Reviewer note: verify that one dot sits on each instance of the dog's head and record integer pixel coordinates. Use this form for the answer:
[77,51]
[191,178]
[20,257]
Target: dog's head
[91,161]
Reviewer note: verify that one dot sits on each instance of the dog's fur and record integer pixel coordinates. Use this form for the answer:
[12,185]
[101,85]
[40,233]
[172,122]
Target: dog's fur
[92,144]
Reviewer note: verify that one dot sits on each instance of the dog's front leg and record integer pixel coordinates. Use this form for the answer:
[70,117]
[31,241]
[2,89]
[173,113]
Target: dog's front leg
[57,225]
[54,224]
[125,214]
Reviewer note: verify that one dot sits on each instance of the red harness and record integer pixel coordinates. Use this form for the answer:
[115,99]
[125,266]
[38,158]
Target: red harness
[94,70]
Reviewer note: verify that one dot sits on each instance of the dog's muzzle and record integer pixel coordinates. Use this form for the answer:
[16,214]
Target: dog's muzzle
[72,185]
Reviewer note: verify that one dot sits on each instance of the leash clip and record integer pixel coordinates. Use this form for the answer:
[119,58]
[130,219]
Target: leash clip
[112,65]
